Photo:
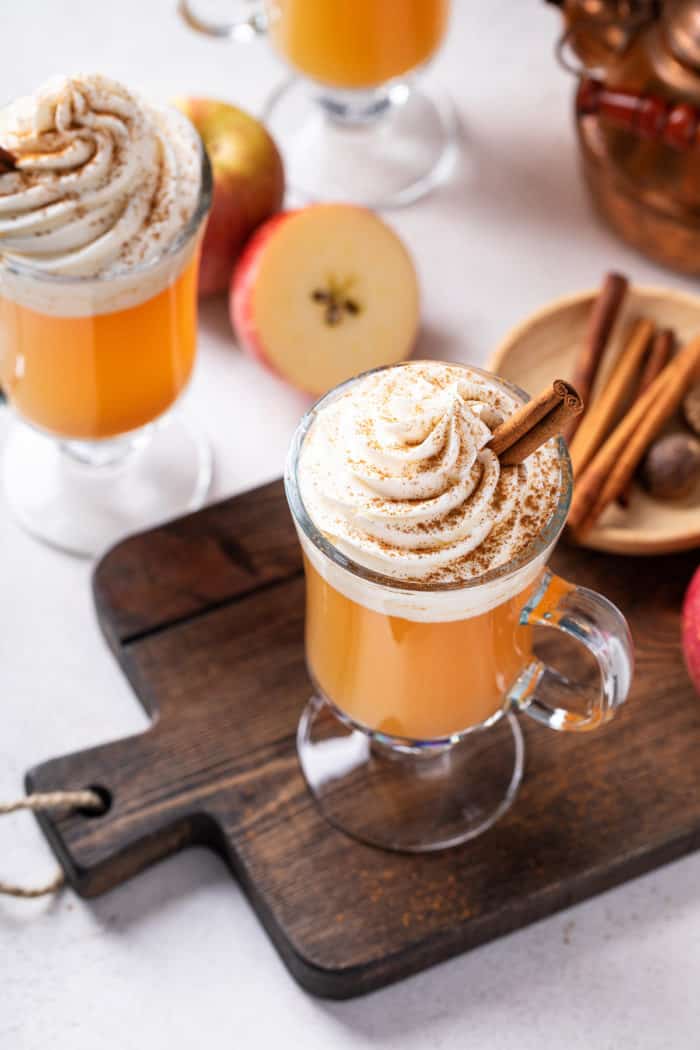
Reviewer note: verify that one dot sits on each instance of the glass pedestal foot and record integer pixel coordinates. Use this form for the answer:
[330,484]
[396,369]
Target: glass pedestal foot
[377,149]
[84,496]
[414,799]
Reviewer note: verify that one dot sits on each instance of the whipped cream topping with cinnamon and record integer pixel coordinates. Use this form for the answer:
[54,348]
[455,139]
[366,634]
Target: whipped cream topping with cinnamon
[103,181]
[397,474]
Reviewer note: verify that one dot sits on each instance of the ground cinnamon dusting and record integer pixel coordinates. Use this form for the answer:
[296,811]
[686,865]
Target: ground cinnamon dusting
[473,519]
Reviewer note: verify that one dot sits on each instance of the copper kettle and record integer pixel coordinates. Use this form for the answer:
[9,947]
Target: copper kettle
[637,111]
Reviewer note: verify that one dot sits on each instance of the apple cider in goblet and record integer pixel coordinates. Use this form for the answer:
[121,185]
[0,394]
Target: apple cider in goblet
[355,122]
[425,559]
[359,44]
[103,197]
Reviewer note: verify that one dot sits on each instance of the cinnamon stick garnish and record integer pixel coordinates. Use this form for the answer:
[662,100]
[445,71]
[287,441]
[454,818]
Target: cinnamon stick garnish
[606,409]
[658,357]
[615,462]
[600,324]
[535,422]
[8,161]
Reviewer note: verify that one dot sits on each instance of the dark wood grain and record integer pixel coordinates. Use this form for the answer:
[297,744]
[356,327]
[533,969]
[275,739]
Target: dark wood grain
[206,618]
[202,560]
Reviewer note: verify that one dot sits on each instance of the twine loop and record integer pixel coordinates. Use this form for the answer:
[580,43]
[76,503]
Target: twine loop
[44,802]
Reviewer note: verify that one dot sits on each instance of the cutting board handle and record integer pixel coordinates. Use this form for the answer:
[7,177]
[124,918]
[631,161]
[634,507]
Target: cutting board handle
[142,823]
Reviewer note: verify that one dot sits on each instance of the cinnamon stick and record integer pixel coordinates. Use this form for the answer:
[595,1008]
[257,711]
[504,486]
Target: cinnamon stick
[616,461]
[8,161]
[535,422]
[658,357]
[600,324]
[606,409]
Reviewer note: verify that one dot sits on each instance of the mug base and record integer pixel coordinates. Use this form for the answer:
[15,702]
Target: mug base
[412,799]
[395,151]
[84,496]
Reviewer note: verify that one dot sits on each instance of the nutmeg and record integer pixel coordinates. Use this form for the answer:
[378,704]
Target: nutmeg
[691,408]
[671,467]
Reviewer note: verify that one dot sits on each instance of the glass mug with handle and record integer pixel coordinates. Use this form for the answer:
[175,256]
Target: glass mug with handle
[425,567]
[353,125]
[102,209]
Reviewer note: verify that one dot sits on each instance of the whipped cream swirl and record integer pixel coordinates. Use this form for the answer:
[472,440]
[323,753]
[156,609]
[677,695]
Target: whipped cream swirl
[104,181]
[396,472]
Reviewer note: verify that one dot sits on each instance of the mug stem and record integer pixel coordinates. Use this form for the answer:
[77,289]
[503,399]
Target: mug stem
[359,108]
[106,453]
[381,148]
[413,800]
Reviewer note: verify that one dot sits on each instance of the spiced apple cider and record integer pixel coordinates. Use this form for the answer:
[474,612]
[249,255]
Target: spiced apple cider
[421,549]
[101,204]
[353,44]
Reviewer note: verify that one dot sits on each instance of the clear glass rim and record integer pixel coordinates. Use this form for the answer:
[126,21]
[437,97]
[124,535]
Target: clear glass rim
[539,546]
[22,269]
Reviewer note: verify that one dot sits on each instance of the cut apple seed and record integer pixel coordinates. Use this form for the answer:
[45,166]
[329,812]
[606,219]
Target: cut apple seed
[336,305]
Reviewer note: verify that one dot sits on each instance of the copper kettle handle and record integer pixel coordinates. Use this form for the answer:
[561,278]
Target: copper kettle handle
[675,124]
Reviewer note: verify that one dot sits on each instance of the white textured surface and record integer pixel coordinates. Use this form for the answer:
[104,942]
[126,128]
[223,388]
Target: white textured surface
[176,958]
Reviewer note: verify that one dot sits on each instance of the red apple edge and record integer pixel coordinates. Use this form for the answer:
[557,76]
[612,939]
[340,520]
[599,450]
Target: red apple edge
[245,273]
[691,630]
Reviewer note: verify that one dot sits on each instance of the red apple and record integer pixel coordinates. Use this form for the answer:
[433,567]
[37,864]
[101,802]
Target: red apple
[248,183]
[691,629]
[323,293]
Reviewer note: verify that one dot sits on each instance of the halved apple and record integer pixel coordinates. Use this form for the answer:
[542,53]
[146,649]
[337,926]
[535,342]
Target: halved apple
[323,293]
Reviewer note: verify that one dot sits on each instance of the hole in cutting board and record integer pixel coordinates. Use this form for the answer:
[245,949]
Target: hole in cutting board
[105,797]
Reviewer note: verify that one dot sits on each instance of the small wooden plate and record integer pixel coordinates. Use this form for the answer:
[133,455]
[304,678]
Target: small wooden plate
[544,346]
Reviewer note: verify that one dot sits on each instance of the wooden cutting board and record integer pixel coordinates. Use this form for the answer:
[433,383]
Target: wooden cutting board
[205,616]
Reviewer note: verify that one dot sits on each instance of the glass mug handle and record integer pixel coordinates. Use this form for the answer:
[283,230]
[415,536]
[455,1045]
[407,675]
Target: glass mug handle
[596,623]
[250,22]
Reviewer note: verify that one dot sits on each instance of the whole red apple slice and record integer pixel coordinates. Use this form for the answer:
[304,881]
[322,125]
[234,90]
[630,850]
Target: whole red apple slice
[691,629]
[324,293]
